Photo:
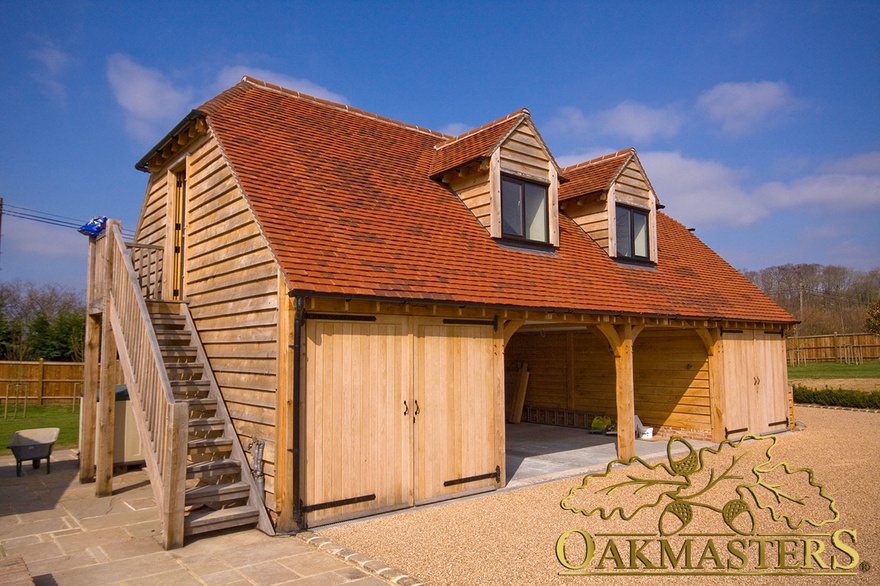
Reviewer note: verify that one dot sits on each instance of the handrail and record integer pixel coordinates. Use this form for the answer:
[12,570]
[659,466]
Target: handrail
[163,423]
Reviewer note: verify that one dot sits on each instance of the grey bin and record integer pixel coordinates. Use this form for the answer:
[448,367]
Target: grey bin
[126,442]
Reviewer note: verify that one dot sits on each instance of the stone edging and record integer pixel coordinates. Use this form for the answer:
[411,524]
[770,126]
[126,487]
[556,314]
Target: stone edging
[370,565]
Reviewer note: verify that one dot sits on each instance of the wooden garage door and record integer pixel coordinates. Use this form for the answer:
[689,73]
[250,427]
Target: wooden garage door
[755,383]
[455,447]
[358,439]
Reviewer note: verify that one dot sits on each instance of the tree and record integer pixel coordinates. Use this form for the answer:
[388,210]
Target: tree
[872,319]
[826,299]
[46,321]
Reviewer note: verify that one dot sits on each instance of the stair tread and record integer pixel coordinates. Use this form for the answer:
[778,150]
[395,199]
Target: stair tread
[200,382]
[212,465]
[199,402]
[217,491]
[206,421]
[209,442]
[204,520]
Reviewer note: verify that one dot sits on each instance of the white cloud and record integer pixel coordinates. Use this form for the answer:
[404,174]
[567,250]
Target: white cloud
[834,191]
[866,163]
[53,63]
[699,192]
[151,101]
[230,76]
[455,128]
[629,120]
[52,58]
[639,122]
[742,107]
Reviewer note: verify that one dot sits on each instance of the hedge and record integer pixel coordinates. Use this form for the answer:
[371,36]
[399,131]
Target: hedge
[837,398]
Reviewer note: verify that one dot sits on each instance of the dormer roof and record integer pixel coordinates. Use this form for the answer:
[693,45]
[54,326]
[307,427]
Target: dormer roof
[346,202]
[479,143]
[596,175]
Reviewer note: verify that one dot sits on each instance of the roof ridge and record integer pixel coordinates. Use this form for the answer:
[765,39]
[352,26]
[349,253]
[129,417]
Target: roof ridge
[484,127]
[608,157]
[260,84]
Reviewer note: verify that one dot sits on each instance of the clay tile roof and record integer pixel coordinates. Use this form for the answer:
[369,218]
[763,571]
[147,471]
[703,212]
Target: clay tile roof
[345,201]
[594,175]
[474,144]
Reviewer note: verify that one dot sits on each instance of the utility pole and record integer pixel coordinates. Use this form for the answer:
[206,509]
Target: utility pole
[801,300]
[1,220]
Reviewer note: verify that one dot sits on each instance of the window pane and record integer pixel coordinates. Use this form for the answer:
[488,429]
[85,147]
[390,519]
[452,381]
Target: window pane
[511,207]
[640,234]
[624,236]
[536,212]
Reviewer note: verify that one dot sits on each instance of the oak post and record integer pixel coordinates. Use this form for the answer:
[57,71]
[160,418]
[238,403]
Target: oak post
[174,475]
[107,402]
[712,342]
[91,373]
[284,502]
[621,339]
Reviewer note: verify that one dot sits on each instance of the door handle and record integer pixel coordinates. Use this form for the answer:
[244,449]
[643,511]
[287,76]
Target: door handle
[417,408]
[405,408]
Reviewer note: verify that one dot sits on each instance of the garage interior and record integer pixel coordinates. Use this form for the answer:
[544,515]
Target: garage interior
[557,381]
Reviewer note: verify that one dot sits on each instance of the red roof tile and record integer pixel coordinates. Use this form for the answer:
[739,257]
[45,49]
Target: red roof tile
[347,205]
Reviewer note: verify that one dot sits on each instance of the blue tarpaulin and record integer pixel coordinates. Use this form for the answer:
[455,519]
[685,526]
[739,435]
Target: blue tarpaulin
[95,226]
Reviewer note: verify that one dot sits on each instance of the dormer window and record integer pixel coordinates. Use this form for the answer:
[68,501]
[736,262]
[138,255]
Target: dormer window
[632,234]
[524,209]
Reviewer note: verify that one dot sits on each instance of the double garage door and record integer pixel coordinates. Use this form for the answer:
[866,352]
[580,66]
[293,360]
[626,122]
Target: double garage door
[755,383]
[398,411]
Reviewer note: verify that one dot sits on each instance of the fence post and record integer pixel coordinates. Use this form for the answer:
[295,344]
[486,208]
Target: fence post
[41,378]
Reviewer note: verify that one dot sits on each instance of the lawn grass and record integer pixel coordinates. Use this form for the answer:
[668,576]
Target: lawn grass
[41,416]
[867,369]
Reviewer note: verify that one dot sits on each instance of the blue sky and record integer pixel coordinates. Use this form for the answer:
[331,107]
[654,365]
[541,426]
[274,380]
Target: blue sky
[758,123]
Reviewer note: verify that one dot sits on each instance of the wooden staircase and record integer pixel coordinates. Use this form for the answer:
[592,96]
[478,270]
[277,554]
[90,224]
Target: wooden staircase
[220,488]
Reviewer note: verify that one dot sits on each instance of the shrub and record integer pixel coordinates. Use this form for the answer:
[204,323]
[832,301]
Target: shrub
[837,397]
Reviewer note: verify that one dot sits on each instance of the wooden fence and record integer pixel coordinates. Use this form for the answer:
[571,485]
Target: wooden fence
[40,383]
[848,348]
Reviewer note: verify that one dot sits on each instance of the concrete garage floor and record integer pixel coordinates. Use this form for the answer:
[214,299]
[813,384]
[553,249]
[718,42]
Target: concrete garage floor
[539,453]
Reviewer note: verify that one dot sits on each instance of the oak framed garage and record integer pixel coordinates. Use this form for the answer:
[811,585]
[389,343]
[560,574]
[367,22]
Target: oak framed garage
[323,310]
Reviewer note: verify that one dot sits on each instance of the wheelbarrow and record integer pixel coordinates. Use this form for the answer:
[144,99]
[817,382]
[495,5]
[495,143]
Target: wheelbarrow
[34,445]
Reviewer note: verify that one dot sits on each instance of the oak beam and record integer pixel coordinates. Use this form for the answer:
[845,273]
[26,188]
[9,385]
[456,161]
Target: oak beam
[510,327]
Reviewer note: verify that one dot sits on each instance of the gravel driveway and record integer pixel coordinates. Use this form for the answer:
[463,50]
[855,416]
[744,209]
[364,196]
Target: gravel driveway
[509,537]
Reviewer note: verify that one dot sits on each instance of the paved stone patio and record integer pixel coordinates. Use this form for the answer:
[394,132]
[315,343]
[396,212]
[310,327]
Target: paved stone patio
[67,536]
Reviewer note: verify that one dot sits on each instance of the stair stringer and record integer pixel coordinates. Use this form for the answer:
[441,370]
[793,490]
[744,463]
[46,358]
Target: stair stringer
[255,499]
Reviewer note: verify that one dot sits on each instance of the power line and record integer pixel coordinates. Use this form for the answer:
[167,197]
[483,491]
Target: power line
[49,218]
